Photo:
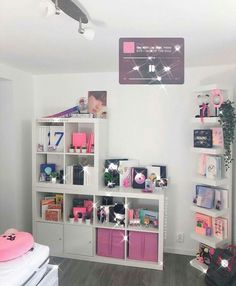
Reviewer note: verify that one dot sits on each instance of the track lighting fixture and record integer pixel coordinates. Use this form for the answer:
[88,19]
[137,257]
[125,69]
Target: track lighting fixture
[49,9]
[57,9]
[69,7]
[87,33]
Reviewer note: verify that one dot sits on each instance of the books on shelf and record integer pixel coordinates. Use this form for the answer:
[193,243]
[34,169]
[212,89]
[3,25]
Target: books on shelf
[156,172]
[205,196]
[213,167]
[125,168]
[79,175]
[207,226]
[112,174]
[203,224]
[210,197]
[44,205]
[50,138]
[51,207]
[43,138]
[202,138]
[88,175]
[210,166]
[139,175]
[217,137]
[220,227]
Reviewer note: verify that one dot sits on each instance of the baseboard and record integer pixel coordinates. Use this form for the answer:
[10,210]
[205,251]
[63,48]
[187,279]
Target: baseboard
[190,252]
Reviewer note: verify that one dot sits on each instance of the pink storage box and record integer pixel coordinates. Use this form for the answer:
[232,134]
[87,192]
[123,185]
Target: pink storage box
[79,139]
[110,243]
[143,246]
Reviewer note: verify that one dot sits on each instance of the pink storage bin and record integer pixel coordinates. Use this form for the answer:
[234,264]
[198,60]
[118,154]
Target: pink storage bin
[135,245]
[143,246]
[150,250]
[117,244]
[110,243]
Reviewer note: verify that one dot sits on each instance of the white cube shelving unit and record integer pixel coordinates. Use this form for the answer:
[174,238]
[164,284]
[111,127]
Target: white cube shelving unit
[74,240]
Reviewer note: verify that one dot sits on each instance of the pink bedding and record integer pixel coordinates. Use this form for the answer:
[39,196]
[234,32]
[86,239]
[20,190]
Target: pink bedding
[14,243]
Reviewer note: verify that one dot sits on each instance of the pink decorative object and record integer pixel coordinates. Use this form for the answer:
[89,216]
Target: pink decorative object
[139,178]
[143,246]
[128,47]
[110,243]
[202,223]
[130,214]
[217,136]
[90,143]
[88,204]
[14,243]
[202,165]
[77,210]
[216,99]
[79,140]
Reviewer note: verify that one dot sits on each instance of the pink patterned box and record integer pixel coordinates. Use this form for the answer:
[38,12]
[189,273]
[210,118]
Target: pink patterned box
[110,243]
[143,246]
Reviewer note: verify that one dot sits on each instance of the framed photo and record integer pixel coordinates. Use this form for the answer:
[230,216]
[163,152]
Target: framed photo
[161,183]
[97,103]
[53,214]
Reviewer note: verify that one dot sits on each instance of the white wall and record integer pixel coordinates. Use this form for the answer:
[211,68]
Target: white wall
[16,107]
[149,123]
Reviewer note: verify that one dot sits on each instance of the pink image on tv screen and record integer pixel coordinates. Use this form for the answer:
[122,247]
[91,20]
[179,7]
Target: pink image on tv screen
[128,48]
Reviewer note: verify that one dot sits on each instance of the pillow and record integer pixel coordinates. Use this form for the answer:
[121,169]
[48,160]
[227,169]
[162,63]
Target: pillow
[14,243]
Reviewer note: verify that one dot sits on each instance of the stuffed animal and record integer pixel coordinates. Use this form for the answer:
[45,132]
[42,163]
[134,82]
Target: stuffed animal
[14,243]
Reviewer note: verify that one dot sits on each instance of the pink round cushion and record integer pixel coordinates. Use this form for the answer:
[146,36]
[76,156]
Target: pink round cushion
[15,244]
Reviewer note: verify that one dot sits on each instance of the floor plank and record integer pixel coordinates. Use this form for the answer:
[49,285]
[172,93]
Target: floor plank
[177,272]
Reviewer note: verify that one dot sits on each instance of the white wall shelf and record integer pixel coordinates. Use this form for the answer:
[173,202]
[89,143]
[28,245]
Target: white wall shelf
[198,265]
[210,212]
[79,240]
[224,183]
[211,182]
[209,240]
[206,120]
[210,151]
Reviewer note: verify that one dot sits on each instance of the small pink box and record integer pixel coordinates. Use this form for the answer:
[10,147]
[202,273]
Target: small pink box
[143,246]
[79,140]
[110,243]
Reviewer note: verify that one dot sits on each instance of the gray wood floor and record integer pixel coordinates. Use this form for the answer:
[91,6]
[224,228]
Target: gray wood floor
[177,272]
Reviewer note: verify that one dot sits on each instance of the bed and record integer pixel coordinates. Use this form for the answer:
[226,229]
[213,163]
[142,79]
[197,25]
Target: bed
[29,269]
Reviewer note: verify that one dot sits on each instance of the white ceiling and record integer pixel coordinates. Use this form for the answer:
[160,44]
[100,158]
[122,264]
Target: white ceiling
[52,45]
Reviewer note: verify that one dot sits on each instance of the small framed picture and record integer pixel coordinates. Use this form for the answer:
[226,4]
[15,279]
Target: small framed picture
[53,214]
[161,183]
[97,103]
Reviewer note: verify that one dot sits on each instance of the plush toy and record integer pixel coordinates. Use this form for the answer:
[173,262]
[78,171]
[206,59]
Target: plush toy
[14,243]
[119,212]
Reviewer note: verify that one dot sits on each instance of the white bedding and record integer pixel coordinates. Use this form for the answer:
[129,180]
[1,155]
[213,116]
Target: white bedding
[26,269]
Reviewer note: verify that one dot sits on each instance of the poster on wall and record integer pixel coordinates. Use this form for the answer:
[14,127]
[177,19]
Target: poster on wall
[151,60]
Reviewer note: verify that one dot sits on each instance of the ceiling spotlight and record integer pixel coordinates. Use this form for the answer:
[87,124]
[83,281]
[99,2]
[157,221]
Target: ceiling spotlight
[87,33]
[58,11]
[49,9]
